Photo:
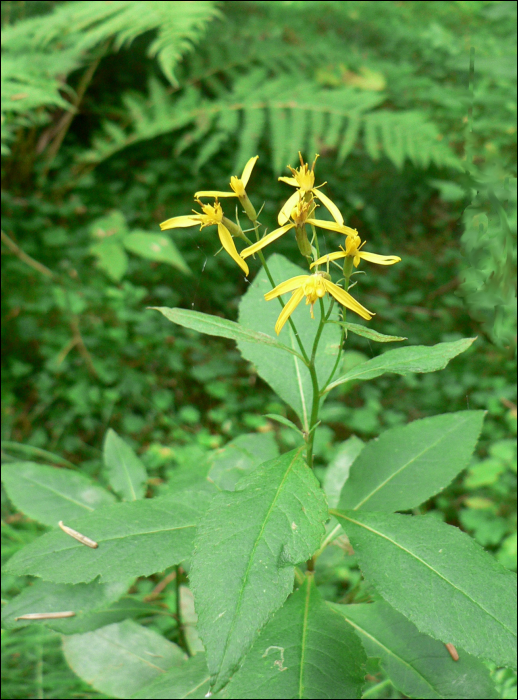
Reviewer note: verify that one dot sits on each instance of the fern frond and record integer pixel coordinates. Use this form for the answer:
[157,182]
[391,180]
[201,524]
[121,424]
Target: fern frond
[39,49]
[85,25]
[299,118]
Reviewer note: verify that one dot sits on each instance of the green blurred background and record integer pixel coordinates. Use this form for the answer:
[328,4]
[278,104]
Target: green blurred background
[114,114]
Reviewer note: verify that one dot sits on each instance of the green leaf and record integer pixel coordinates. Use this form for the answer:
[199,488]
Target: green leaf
[417,665]
[440,579]
[366,332]
[121,658]
[155,246]
[190,680]
[284,421]
[126,472]
[49,494]
[246,549]
[407,465]
[135,539]
[239,457]
[418,358]
[305,651]
[111,258]
[35,453]
[220,327]
[338,469]
[126,608]
[288,376]
[46,597]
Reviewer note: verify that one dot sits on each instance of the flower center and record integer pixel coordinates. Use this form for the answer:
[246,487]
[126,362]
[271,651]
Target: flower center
[237,185]
[212,213]
[314,289]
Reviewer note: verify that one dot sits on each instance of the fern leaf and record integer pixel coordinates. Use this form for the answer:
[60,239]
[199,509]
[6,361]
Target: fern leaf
[350,137]
[334,129]
[253,127]
[370,136]
[279,133]
[296,133]
[317,128]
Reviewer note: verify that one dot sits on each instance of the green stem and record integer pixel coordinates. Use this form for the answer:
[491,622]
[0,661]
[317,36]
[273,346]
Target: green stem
[348,268]
[316,391]
[182,640]
[270,278]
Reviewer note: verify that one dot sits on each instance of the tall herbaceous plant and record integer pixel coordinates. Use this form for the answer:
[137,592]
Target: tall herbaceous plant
[248,531]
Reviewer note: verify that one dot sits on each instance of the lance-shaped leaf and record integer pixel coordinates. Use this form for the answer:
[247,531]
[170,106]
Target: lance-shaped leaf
[288,376]
[220,327]
[19,448]
[47,597]
[135,539]
[414,359]
[406,466]
[338,469]
[155,246]
[122,658]
[417,665]
[440,579]
[125,470]
[246,549]
[237,458]
[370,333]
[305,651]
[49,494]
[190,680]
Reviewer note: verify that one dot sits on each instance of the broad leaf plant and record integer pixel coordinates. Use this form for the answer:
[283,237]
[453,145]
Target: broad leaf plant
[245,531]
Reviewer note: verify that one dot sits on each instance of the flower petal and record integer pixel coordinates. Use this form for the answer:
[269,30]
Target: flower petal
[332,226]
[295,300]
[347,300]
[228,243]
[287,286]
[328,258]
[266,240]
[287,208]
[211,193]
[330,206]
[379,259]
[289,181]
[179,222]
[247,170]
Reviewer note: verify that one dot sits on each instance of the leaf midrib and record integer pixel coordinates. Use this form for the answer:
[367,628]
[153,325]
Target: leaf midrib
[62,495]
[252,553]
[400,369]
[385,648]
[396,473]
[428,566]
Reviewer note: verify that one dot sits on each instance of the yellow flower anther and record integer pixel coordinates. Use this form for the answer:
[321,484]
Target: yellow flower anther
[313,287]
[304,179]
[212,216]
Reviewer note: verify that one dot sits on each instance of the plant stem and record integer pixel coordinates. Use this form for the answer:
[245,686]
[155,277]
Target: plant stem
[68,117]
[270,278]
[182,640]
[316,391]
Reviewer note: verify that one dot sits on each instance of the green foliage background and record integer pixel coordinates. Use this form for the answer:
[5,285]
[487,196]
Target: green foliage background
[113,115]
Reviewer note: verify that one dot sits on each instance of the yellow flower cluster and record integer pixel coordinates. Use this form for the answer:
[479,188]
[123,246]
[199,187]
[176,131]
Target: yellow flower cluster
[298,211]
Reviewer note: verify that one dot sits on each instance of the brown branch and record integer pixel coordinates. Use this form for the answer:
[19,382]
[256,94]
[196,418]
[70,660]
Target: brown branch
[66,120]
[77,338]
[26,258]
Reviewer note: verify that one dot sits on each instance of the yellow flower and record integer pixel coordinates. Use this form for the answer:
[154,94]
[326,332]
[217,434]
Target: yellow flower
[304,179]
[299,216]
[353,245]
[313,287]
[212,216]
[238,186]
